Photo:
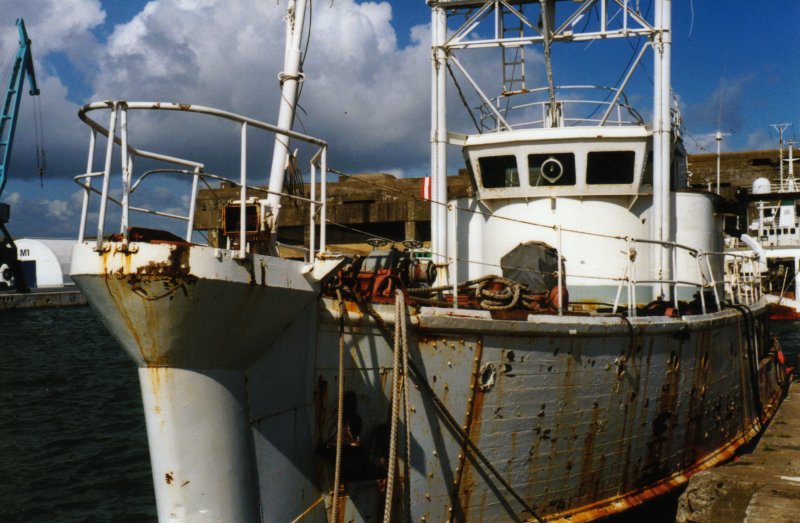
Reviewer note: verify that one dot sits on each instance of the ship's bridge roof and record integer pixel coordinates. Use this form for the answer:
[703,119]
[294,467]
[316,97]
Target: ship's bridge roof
[570,134]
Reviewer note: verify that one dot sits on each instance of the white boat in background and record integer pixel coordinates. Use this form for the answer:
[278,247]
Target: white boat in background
[773,235]
[573,347]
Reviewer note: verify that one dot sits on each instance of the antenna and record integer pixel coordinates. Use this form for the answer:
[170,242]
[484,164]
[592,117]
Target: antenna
[780,127]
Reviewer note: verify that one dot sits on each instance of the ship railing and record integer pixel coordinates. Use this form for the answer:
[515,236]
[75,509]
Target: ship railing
[787,184]
[713,279]
[117,135]
[737,275]
[613,109]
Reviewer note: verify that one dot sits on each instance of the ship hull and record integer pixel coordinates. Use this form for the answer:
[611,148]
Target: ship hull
[572,416]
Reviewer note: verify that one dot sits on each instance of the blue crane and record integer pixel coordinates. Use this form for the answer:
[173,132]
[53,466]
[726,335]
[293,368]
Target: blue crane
[23,66]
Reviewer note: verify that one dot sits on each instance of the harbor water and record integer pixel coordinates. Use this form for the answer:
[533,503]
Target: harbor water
[73,446]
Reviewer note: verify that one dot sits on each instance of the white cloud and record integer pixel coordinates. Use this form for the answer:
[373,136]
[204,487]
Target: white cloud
[12,199]
[58,209]
[52,25]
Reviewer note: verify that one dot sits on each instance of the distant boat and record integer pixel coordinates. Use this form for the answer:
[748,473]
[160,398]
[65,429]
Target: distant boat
[573,342]
[773,234]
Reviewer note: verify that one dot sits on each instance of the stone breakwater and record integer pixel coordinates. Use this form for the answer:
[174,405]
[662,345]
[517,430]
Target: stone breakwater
[762,487]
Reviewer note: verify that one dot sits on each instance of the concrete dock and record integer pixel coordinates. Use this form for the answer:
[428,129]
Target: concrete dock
[762,487]
[42,298]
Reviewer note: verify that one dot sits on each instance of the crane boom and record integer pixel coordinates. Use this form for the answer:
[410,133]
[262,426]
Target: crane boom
[10,270]
[23,63]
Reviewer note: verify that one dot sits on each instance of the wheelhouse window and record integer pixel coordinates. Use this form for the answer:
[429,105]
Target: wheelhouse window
[551,169]
[610,167]
[499,171]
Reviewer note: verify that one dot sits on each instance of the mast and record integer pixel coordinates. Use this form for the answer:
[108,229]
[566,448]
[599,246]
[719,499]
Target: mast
[780,127]
[439,145]
[662,142]
[290,81]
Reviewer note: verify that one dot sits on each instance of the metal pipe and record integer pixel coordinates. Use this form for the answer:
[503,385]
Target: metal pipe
[126,183]
[101,218]
[88,185]
[323,222]
[632,286]
[312,209]
[453,251]
[713,282]
[560,272]
[186,108]
[622,86]
[674,283]
[243,193]
[700,284]
[480,93]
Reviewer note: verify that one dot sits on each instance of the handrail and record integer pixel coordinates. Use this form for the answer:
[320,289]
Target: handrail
[619,100]
[117,134]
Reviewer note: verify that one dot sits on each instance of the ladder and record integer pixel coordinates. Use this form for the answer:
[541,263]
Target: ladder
[511,26]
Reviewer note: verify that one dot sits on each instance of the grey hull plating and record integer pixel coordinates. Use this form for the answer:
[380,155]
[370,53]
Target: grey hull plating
[580,416]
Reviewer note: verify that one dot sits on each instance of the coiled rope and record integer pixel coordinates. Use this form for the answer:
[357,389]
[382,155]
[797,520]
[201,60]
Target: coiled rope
[506,294]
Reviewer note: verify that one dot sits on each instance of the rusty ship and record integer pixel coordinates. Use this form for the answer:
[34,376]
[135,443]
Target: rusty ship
[573,341]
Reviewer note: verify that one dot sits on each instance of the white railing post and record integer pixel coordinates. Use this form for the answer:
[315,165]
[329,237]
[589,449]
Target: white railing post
[714,280]
[243,193]
[87,191]
[560,273]
[312,206]
[192,204]
[453,248]
[323,197]
[632,278]
[700,281]
[126,184]
[674,276]
[619,287]
[112,129]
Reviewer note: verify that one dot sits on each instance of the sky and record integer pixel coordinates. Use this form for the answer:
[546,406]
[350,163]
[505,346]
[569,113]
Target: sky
[366,87]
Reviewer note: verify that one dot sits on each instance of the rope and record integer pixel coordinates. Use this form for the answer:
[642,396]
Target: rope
[340,415]
[398,390]
[453,425]
[510,296]
[407,418]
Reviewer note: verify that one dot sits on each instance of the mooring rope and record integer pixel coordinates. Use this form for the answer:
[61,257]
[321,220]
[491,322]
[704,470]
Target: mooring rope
[398,390]
[386,331]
